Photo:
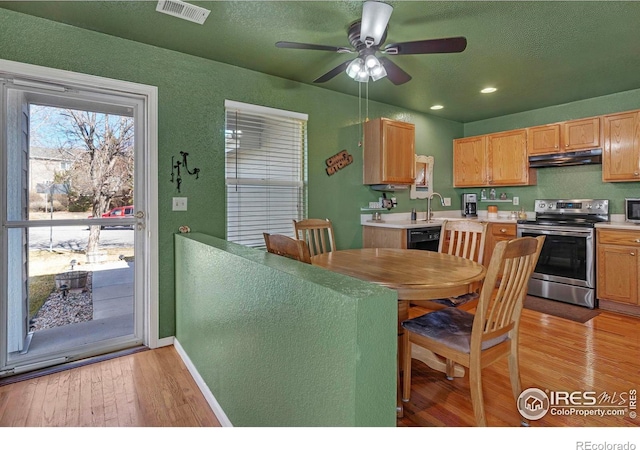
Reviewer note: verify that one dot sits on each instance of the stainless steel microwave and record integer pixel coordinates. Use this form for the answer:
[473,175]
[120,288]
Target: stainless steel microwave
[632,210]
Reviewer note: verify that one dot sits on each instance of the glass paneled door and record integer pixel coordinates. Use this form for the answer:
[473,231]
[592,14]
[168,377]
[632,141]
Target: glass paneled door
[73,223]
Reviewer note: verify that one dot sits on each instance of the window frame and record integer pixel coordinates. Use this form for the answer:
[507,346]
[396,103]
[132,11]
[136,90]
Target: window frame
[261,144]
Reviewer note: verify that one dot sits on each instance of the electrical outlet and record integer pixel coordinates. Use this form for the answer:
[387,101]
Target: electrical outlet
[179,203]
[516,200]
[447,201]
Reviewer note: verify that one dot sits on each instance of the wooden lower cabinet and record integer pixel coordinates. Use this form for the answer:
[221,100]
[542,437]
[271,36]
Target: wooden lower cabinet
[379,237]
[618,268]
[497,232]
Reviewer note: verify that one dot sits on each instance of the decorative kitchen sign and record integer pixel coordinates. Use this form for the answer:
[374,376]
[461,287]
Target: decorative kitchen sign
[338,161]
[423,185]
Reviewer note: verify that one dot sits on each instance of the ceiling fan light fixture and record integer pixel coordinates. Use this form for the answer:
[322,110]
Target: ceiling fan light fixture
[371,62]
[375,17]
[355,67]
[378,72]
[488,90]
[362,76]
[435,107]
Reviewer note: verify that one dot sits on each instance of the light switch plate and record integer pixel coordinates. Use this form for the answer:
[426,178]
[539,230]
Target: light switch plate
[447,201]
[179,203]
[516,200]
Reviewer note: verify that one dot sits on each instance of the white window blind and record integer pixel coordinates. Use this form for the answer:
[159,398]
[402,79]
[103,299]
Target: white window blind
[265,171]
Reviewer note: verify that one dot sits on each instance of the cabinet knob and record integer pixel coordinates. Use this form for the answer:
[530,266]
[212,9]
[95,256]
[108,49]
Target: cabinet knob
[632,254]
[503,230]
[566,145]
[636,240]
[635,174]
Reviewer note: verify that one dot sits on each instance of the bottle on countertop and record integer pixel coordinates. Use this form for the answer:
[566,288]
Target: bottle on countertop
[413,215]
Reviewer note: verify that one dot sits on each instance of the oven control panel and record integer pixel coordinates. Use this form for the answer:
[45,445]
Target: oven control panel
[598,207]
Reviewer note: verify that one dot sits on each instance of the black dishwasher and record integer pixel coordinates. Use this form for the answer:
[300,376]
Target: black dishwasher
[423,238]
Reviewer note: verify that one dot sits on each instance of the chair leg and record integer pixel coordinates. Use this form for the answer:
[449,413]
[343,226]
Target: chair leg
[477,400]
[450,369]
[514,376]
[406,367]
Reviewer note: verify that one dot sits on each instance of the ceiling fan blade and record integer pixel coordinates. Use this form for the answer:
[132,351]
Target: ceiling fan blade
[332,73]
[301,46]
[444,45]
[395,74]
[375,18]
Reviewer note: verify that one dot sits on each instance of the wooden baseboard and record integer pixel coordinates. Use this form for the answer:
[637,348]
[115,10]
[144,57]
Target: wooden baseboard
[622,308]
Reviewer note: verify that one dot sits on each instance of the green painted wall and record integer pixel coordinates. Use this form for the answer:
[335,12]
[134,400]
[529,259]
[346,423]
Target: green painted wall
[565,182]
[281,343]
[191,118]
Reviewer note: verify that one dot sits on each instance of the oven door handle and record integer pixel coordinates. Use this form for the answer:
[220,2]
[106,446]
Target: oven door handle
[587,235]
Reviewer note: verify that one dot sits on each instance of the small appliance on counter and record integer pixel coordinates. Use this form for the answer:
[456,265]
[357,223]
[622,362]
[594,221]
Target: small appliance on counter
[469,205]
[632,210]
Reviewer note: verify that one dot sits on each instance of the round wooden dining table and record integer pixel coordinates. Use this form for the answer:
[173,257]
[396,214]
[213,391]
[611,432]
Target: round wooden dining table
[416,275]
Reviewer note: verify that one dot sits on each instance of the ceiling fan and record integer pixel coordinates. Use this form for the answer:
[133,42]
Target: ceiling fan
[367,37]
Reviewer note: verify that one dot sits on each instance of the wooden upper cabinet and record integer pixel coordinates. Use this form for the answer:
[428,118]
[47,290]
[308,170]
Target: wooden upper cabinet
[580,134]
[469,161]
[389,152]
[507,158]
[621,152]
[543,140]
[498,159]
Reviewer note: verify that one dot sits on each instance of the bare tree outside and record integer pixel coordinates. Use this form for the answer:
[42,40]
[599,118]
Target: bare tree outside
[101,148]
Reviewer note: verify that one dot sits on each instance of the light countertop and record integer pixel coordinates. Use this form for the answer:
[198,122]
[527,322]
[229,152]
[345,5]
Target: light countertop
[402,220]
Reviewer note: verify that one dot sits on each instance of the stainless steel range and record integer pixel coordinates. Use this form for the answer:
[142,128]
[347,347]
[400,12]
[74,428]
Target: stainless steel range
[566,267]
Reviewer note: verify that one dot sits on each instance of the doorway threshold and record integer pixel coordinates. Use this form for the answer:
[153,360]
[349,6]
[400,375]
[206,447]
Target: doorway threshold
[71,365]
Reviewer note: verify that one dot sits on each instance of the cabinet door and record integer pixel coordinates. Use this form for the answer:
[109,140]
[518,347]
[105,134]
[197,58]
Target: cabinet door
[617,273]
[581,134]
[378,237]
[543,140]
[469,162]
[496,232]
[398,154]
[508,164]
[621,153]
[389,152]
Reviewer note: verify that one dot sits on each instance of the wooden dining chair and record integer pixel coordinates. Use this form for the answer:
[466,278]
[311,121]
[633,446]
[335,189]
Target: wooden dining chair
[317,233]
[476,341]
[282,245]
[464,238]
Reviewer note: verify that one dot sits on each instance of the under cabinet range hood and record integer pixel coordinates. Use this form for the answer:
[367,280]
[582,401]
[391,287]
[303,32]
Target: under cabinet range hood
[389,187]
[579,158]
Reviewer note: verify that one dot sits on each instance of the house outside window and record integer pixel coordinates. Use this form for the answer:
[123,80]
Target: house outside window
[265,171]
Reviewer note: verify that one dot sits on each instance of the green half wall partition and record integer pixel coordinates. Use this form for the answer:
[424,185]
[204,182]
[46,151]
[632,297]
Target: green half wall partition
[281,343]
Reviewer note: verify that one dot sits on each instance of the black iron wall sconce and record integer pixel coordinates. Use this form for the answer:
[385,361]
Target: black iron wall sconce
[176,177]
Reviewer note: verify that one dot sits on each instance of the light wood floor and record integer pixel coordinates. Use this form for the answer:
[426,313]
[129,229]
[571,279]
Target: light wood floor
[601,355]
[154,388]
[146,389]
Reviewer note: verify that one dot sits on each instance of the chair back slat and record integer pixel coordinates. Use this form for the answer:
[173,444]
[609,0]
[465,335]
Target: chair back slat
[317,233]
[464,238]
[505,287]
[282,245]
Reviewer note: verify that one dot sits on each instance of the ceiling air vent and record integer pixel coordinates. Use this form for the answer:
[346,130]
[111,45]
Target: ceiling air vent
[183,10]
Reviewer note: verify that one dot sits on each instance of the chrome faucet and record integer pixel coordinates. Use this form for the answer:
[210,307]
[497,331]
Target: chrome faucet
[429,212]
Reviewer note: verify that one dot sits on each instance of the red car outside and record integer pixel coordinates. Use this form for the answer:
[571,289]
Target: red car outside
[118,212]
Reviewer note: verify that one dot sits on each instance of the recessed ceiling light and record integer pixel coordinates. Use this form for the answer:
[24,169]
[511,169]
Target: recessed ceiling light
[488,90]
[437,107]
